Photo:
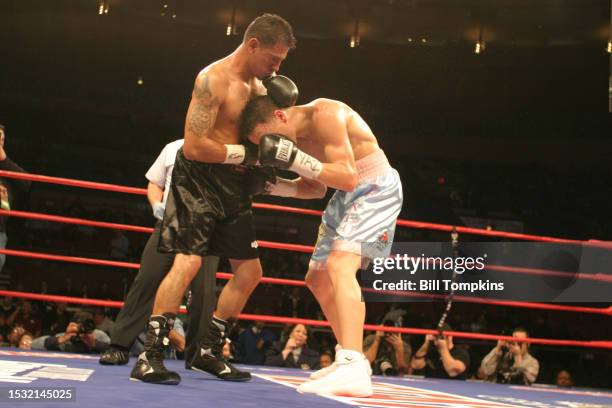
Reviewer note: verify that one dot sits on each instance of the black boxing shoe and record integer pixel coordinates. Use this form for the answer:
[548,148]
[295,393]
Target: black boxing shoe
[150,365]
[150,368]
[114,355]
[207,362]
[209,358]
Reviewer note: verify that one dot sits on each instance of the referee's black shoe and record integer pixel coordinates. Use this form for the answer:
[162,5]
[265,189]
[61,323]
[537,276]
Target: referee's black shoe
[114,355]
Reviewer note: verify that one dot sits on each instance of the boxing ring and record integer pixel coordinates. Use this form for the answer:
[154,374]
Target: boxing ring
[95,385]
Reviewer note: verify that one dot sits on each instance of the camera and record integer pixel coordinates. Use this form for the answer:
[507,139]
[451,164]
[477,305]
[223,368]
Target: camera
[86,326]
[77,343]
[390,323]
[510,376]
[386,369]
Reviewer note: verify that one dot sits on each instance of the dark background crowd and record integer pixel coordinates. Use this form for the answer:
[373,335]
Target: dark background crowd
[516,138]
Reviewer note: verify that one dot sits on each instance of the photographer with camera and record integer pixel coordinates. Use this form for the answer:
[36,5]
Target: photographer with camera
[439,358]
[510,362]
[81,336]
[387,353]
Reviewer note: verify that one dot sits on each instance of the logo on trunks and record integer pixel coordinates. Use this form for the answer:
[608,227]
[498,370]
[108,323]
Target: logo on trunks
[284,149]
[254,244]
[384,237]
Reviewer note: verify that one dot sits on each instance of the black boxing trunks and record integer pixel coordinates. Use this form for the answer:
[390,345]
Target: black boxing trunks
[208,211]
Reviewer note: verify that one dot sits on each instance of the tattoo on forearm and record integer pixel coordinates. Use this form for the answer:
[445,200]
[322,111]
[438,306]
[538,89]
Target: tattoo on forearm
[204,107]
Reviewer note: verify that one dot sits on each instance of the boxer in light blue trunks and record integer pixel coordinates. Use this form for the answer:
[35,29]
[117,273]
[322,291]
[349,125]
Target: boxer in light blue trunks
[329,145]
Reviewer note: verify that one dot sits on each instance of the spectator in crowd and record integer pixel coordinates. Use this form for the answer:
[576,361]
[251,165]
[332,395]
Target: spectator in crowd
[15,335]
[57,317]
[478,375]
[80,336]
[325,359]
[387,353]
[295,353]
[12,191]
[510,362]
[23,316]
[564,379]
[7,306]
[253,343]
[439,358]
[102,321]
[25,342]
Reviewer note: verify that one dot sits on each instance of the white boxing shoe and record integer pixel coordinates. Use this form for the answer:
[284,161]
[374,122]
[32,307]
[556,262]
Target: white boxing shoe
[350,378]
[368,365]
[327,370]
[332,367]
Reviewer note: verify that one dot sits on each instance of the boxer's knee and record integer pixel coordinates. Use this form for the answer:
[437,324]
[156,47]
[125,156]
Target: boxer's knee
[342,267]
[186,267]
[247,273]
[316,280]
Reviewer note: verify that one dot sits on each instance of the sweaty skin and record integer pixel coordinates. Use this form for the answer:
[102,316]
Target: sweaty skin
[336,135]
[221,91]
[330,131]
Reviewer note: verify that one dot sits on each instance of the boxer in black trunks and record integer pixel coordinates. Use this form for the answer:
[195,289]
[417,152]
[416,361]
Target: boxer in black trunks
[154,265]
[208,210]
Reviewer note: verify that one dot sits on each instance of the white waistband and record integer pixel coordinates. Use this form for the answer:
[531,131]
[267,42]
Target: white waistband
[373,165]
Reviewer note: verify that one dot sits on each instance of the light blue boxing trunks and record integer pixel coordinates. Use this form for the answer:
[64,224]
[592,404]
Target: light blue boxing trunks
[366,215]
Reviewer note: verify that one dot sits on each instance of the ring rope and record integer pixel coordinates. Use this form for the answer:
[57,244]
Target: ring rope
[403,223]
[301,283]
[310,322]
[599,277]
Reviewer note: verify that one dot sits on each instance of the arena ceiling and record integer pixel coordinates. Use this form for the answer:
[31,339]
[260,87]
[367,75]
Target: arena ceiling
[439,22]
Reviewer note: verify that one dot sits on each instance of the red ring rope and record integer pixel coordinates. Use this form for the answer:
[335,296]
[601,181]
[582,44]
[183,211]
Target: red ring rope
[292,282]
[293,320]
[403,223]
[299,248]
[75,221]
[600,277]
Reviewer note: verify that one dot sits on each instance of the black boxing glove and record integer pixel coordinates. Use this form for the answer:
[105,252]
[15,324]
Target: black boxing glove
[246,153]
[281,152]
[251,153]
[282,90]
[260,180]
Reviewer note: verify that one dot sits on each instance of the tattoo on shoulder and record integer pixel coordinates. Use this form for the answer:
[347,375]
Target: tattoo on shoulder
[203,110]
[202,89]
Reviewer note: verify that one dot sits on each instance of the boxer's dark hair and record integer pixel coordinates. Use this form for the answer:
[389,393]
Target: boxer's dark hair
[258,110]
[1,126]
[270,29]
